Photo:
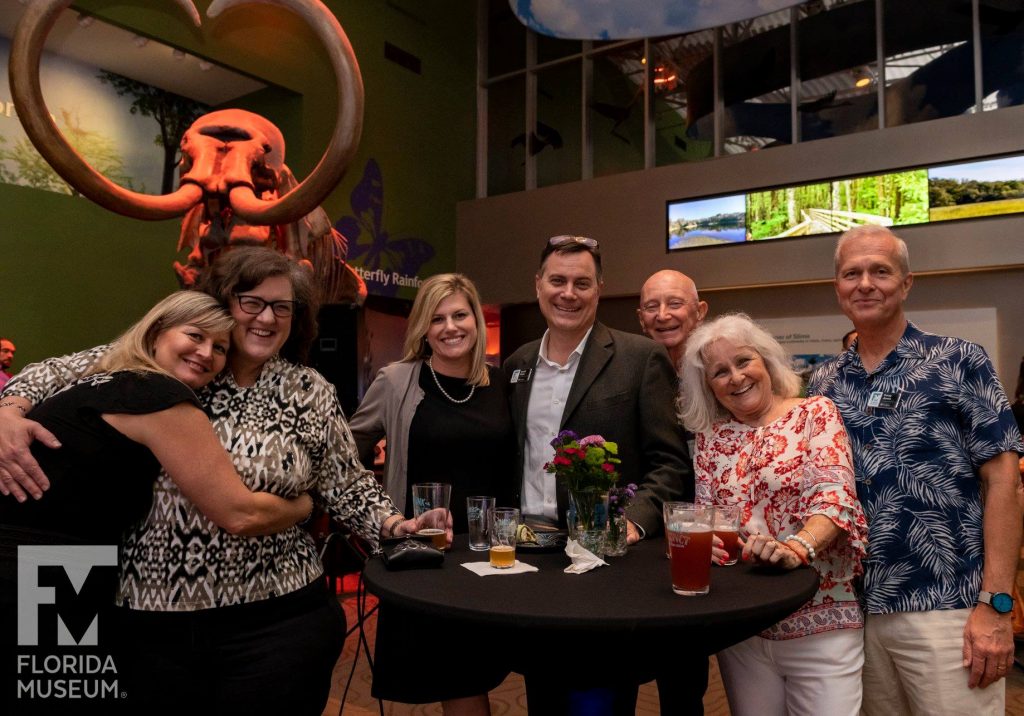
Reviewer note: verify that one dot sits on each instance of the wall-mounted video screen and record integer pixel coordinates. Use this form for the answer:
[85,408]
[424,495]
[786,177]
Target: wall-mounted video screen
[917,196]
[707,221]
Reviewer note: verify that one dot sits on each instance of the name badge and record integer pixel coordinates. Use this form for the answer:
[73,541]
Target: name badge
[885,401]
[521,375]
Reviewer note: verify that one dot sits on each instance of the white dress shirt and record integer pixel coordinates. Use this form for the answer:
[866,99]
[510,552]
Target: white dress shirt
[549,391]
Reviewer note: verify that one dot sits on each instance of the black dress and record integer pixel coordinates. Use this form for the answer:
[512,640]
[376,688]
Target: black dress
[471,445]
[100,483]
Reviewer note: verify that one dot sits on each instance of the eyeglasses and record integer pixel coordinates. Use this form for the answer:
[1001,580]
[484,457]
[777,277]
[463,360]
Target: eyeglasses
[254,306]
[567,239]
[674,305]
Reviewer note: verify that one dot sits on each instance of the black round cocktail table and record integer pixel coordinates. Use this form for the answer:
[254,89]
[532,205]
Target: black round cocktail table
[549,618]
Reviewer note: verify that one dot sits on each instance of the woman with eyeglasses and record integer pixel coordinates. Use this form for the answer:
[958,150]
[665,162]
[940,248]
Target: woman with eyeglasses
[228,624]
[445,415]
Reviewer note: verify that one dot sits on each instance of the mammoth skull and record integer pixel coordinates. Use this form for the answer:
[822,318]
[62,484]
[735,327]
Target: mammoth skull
[234,185]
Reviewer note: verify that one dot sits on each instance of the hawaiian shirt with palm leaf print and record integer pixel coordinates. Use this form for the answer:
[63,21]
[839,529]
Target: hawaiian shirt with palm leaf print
[921,425]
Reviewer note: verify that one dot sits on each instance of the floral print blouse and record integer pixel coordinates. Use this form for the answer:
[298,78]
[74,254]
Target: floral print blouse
[782,473]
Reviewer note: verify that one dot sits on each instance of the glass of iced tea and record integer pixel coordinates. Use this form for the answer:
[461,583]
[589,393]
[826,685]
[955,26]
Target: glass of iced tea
[430,508]
[504,525]
[689,530]
[727,529]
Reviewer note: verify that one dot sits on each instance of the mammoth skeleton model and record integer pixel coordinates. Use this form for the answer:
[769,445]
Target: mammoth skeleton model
[234,185]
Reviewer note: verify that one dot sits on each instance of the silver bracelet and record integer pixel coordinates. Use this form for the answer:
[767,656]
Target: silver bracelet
[811,535]
[802,542]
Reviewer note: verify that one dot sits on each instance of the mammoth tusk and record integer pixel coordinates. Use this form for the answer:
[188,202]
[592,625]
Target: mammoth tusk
[26,50]
[348,126]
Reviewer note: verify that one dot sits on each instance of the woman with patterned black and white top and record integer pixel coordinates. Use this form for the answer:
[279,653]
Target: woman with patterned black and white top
[228,624]
[787,462]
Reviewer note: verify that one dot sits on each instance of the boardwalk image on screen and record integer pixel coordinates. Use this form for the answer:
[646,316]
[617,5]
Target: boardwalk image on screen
[830,207]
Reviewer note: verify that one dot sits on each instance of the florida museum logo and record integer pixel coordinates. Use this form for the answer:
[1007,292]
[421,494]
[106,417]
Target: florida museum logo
[60,655]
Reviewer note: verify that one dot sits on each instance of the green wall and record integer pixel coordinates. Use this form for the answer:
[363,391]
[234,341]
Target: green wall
[74,275]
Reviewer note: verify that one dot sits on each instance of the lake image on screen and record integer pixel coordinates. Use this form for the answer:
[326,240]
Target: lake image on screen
[706,222]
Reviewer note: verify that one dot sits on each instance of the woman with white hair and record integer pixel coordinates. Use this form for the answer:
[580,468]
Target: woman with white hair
[787,462]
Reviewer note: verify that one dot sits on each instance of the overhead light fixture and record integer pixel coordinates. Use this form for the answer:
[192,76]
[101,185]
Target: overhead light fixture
[862,77]
[178,54]
[85,20]
[205,66]
[665,78]
[140,41]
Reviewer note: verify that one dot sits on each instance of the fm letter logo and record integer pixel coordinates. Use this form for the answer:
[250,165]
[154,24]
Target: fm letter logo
[76,621]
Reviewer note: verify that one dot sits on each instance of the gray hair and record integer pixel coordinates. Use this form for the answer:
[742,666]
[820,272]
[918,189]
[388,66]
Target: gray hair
[902,254]
[698,407]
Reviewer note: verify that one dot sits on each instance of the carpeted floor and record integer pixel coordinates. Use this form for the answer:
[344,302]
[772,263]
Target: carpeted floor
[509,699]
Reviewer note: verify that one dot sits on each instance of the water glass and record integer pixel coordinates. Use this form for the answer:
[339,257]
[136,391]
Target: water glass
[478,517]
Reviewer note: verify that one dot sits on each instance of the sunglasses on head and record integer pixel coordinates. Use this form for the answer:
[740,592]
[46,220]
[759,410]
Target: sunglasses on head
[565,239]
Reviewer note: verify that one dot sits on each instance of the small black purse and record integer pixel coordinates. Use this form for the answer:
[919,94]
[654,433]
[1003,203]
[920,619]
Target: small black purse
[411,552]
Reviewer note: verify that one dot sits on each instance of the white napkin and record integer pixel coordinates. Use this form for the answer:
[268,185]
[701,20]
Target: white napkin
[484,569]
[583,560]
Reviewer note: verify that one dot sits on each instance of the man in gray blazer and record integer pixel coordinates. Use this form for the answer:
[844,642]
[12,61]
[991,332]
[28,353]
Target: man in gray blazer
[585,377]
[593,380]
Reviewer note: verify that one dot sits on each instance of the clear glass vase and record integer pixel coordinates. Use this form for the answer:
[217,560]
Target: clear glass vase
[588,519]
[615,541]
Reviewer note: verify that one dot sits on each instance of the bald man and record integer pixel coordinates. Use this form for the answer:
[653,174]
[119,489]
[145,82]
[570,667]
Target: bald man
[669,311]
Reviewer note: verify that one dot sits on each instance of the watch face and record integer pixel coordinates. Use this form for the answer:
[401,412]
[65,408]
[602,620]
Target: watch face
[1002,602]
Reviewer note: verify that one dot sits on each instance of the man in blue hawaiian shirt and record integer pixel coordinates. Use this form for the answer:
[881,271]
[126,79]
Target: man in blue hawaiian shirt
[935,456]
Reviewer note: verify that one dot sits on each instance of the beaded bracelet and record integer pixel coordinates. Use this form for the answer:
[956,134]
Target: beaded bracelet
[803,543]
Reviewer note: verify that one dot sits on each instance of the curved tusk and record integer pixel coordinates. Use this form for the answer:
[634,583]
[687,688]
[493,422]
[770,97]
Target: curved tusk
[23,73]
[348,127]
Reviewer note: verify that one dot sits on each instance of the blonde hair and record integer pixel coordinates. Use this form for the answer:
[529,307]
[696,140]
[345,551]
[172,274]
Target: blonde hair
[698,406]
[434,290]
[133,350]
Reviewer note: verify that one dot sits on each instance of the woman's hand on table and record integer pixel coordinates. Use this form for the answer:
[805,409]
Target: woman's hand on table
[719,555]
[768,550]
[436,519]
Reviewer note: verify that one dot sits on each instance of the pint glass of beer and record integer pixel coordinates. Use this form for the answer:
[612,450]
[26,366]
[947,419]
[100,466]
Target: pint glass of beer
[430,501]
[665,508]
[689,530]
[727,529]
[504,525]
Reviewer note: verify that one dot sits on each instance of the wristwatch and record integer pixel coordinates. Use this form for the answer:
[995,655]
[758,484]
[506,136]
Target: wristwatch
[1000,601]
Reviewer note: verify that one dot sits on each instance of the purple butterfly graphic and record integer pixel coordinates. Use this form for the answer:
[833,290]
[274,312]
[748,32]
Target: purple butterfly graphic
[369,245]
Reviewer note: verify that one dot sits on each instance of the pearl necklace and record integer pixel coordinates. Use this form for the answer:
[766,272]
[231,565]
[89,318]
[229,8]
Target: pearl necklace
[472,388]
